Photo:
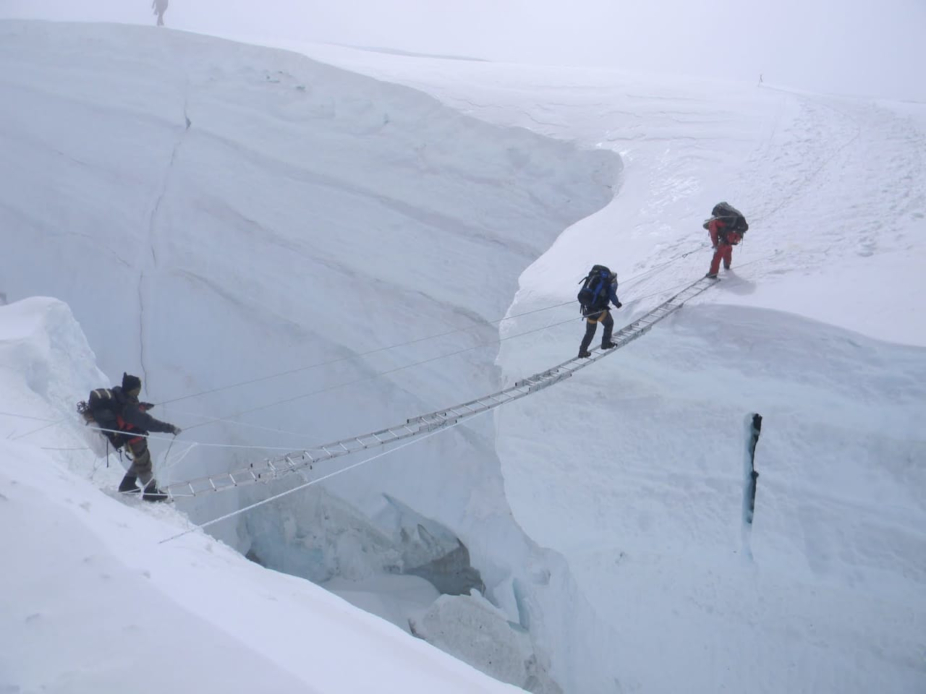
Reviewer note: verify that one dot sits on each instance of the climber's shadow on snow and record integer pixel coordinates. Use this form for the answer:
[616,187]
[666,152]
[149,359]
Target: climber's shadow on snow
[731,282]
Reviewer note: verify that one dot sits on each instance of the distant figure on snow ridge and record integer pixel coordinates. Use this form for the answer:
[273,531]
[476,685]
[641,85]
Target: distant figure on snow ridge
[119,410]
[726,227]
[599,288]
[159,7]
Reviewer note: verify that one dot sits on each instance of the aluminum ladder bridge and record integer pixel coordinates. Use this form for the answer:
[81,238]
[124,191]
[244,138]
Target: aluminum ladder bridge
[274,468]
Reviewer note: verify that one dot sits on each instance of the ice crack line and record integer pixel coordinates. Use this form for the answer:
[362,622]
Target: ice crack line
[152,224]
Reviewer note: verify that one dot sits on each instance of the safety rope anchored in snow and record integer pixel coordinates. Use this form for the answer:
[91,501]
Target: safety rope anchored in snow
[275,468]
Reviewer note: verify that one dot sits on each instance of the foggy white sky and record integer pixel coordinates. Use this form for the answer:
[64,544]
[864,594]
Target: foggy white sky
[843,46]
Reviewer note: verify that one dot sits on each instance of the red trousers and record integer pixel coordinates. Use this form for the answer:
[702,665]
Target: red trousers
[724,251]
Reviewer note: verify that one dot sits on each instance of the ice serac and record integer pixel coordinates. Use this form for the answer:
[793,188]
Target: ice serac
[49,360]
[322,538]
[475,631]
[431,551]
[395,563]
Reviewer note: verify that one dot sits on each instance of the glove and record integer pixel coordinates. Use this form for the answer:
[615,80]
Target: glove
[176,430]
[146,405]
[618,304]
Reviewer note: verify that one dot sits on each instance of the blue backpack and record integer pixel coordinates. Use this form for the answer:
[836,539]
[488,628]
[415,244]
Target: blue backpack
[594,288]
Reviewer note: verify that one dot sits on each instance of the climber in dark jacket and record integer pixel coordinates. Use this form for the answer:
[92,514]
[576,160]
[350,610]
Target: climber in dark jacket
[119,410]
[599,312]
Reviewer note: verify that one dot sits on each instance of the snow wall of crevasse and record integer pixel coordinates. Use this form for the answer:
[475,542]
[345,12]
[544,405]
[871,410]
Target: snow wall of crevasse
[215,212]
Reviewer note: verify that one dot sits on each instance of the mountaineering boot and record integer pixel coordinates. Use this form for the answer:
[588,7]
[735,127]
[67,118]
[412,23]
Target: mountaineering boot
[128,484]
[152,493]
[726,266]
[711,275]
[608,345]
[584,354]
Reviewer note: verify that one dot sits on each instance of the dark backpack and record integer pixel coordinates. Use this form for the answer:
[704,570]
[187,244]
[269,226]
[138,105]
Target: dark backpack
[102,409]
[102,400]
[595,285]
[733,219]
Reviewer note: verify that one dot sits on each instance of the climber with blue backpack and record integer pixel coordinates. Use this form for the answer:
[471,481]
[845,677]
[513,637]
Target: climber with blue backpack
[599,289]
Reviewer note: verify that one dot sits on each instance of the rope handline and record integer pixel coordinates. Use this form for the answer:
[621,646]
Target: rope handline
[380,374]
[42,428]
[26,416]
[659,268]
[356,356]
[133,434]
[316,480]
[168,464]
[629,281]
[247,425]
[230,418]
